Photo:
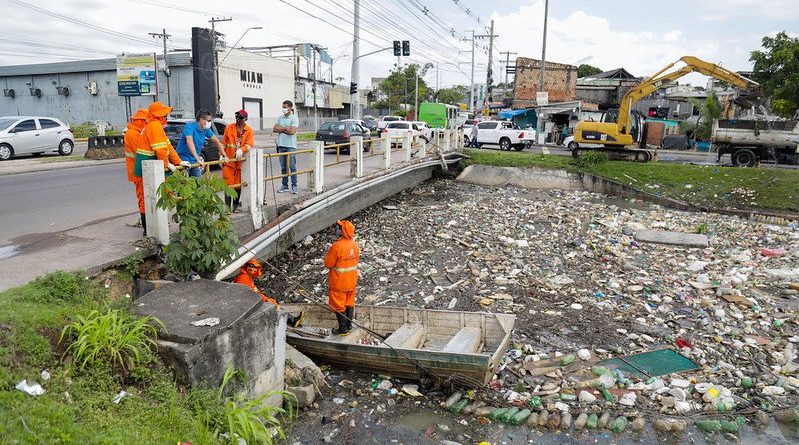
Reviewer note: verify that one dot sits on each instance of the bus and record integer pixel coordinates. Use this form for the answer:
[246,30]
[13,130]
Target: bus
[438,115]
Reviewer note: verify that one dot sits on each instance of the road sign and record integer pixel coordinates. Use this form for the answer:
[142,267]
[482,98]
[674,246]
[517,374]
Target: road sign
[136,75]
[542,98]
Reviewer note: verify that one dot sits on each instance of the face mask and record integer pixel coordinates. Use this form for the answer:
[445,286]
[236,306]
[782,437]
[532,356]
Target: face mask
[207,125]
[286,110]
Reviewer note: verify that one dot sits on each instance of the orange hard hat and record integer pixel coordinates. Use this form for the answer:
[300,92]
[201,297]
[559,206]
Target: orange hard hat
[253,263]
[141,114]
[347,228]
[158,109]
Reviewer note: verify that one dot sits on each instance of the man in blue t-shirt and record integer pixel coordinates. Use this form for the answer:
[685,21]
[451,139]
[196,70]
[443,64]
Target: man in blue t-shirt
[286,129]
[192,141]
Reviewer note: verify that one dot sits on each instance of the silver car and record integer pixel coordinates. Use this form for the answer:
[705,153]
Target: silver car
[21,135]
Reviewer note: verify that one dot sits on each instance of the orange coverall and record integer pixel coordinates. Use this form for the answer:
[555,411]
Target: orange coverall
[342,260]
[231,140]
[131,144]
[244,278]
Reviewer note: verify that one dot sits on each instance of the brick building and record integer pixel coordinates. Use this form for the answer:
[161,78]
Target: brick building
[560,81]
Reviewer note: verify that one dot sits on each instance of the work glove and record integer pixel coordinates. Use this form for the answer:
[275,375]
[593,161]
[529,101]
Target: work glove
[239,154]
[186,164]
[223,157]
[171,167]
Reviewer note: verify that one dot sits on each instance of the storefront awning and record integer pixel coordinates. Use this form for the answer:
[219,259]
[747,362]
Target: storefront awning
[510,114]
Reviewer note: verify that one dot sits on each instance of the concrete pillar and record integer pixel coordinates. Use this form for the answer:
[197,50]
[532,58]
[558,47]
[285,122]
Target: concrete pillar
[319,166]
[406,146]
[249,192]
[387,151]
[447,140]
[260,169]
[157,219]
[459,142]
[422,147]
[356,154]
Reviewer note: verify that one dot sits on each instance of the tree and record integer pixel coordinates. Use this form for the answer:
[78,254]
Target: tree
[709,110]
[586,70]
[777,70]
[399,86]
[452,95]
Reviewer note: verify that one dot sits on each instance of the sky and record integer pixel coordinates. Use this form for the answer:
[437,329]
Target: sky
[641,36]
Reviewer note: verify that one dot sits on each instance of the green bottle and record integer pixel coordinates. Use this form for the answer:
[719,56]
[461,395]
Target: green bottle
[507,415]
[520,417]
[592,421]
[708,426]
[495,415]
[619,425]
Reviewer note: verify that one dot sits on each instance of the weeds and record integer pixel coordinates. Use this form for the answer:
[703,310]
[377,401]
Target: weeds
[114,338]
[132,264]
[63,287]
[591,158]
[235,417]
[701,228]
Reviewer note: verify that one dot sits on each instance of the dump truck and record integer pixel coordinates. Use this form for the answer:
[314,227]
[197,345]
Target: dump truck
[749,142]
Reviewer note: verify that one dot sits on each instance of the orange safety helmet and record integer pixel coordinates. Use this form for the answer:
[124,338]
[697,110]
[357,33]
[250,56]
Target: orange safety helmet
[252,268]
[158,109]
[141,115]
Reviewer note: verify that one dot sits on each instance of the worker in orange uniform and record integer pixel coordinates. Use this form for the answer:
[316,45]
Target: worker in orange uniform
[250,271]
[153,144]
[237,140]
[135,126]
[342,262]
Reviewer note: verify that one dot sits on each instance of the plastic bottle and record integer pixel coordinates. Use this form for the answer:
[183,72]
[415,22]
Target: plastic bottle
[553,422]
[565,421]
[619,425]
[606,394]
[520,417]
[460,405]
[543,417]
[592,422]
[638,424]
[507,415]
[453,399]
[497,413]
[567,360]
[534,402]
[708,426]
[532,421]
[604,420]
[581,421]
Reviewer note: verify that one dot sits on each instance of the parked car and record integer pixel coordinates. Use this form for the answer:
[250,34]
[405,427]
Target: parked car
[371,123]
[174,131]
[34,135]
[400,129]
[332,133]
[505,134]
[426,131]
[381,124]
[571,145]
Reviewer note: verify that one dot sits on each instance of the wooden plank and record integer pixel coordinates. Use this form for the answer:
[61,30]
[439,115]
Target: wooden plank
[355,335]
[408,336]
[467,340]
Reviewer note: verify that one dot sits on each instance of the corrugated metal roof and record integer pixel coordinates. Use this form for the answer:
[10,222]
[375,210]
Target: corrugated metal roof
[81,66]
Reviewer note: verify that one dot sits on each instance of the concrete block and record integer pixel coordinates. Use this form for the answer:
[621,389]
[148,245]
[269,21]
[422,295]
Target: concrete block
[249,337]
[672,238]
[305,395]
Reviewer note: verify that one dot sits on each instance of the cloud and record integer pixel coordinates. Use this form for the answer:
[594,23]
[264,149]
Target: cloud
[724,10]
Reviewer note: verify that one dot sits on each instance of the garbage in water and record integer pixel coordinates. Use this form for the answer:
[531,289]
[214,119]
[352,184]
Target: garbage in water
[46,375]
[34,389]
[118,398]
[210,321]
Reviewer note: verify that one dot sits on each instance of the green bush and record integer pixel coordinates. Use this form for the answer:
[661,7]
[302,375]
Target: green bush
[132,264]
[235,417]
[62,286]
[591,158]
[112,338]
[206,237]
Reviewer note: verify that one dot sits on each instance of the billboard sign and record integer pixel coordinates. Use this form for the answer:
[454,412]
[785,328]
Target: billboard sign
[136,75]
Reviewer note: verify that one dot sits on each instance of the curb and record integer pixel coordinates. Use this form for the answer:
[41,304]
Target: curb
[34,168]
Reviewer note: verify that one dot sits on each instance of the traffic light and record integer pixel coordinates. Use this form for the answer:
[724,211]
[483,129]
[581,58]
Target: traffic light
[406,48]
[353,88]
[397,48]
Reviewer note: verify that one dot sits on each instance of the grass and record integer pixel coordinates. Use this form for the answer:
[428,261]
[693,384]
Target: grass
[711,186]
[76,406]
[49,159]
[306,136]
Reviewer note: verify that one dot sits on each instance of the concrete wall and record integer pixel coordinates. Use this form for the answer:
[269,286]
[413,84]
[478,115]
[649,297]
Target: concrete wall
[80,106]
[560,81]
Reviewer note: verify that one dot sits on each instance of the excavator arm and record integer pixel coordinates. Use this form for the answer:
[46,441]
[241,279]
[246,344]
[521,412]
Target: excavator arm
[692,64]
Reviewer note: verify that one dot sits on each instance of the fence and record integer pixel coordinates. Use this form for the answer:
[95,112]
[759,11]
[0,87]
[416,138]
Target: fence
[259,169]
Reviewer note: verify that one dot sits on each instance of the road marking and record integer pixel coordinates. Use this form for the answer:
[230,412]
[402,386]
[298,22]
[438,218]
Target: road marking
[544,150]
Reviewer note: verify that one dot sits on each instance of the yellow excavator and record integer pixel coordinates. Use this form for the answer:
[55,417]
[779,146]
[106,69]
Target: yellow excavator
[616,135]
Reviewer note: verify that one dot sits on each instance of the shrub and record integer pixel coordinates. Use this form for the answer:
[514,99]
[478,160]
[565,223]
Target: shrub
[114,338]
[62,286]
[235,417]
[702,228]
[592,158]
[132,264]
[206,238]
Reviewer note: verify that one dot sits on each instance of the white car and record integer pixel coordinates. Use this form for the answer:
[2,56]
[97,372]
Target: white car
[505,134]
[21,135]
[381,124]
[397,130]
[425,129]
[571,145]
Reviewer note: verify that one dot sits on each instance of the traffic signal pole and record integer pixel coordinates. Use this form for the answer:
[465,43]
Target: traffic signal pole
[355,103]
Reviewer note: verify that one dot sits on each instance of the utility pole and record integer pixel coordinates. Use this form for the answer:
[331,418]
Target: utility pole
[539,117]
[416,101]
[315,109]
[355,103]
[164,36]
[216,56]
[471,79]
[507,63]
[490,36]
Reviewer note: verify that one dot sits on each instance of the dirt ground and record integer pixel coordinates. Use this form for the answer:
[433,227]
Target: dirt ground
[577,279]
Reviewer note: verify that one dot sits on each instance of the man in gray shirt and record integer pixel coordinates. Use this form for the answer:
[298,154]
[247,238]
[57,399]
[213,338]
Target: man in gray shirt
[286,129]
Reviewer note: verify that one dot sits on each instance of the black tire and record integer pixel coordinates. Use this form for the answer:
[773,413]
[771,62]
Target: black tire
[572,145]
[518,147]
[504,144]
[641,156]
[6,152]
[744,158]
[66,147]
[576,153]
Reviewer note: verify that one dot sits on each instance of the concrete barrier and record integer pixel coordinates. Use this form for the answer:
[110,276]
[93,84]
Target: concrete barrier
[105,147]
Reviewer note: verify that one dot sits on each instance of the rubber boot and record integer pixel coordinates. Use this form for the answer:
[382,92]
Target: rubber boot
[342,325]
[296,321]
[228,203]
[237,201]
[144,223]
[350,314]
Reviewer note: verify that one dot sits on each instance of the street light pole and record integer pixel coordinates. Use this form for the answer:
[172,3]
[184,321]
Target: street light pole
[541,88]
[355,103]
[237,42]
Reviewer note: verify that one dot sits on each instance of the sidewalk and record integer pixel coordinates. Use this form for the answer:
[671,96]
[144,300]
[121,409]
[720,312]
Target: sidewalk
[105,243]
[41,165]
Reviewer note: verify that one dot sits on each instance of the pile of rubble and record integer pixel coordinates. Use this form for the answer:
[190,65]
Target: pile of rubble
[585,288]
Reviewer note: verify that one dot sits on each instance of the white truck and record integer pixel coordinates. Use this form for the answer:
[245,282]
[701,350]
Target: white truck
[505,134]
[751,141]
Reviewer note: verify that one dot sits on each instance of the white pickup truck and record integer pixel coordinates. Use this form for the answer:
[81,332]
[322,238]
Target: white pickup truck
[505,134]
